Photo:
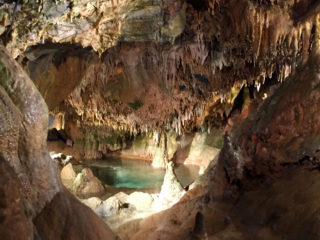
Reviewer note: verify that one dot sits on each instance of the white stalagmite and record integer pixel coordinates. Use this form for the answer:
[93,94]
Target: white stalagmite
[258,85]
[179,126]
[156,137]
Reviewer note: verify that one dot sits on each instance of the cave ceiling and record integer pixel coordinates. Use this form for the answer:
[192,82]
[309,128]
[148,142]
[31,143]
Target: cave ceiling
[151,64]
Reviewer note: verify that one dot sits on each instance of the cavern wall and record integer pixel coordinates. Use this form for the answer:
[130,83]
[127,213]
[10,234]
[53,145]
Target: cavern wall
[31,188]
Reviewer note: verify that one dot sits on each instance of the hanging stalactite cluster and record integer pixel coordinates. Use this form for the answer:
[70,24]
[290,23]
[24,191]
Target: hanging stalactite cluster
[180,72]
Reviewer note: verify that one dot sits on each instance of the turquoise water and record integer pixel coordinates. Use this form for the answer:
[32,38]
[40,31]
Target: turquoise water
[137,174]
[127,173]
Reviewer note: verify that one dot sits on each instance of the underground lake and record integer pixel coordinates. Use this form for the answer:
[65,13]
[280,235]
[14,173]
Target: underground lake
[136,174]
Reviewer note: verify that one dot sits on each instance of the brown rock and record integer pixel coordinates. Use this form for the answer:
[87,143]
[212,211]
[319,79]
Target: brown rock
[67,173]
[86,184]
[66,218]
[13,221]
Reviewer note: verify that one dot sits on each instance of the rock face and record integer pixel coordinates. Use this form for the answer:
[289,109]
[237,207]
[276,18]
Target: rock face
[279,134]
[99,24]
[152,147]
[14,223]
[199,149]
[34,205]
[23,135]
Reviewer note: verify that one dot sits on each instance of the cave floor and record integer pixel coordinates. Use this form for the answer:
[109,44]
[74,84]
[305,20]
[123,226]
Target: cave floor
[287,207]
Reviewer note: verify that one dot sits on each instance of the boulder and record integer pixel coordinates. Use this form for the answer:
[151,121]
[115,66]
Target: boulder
[86,184]
[67,173]
[140,200]
[121,196]
[92,202]
[67,218]
[109,207]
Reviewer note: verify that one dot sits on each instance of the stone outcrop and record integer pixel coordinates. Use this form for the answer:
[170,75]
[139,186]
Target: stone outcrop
[34,205]
[122,208]
[173,223]
[255,215]
[23,135]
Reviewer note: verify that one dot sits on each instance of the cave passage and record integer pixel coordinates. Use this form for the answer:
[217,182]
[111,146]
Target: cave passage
[159,120]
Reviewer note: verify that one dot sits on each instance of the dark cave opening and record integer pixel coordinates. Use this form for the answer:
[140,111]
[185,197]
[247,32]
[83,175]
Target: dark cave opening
[199,5]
